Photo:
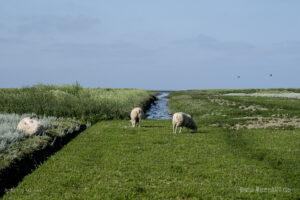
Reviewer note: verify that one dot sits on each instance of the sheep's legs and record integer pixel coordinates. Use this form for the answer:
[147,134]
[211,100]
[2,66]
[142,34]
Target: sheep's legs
[180,129]
[133,123]
[174,128]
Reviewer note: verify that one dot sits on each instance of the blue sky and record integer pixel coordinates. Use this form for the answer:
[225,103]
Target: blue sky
[150,44]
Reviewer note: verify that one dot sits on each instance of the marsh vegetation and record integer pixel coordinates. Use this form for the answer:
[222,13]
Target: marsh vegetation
[112,160]
[87,104]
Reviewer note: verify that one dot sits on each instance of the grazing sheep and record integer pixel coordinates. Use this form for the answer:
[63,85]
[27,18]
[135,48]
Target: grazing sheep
[30,126]
[136,116]
[181,119]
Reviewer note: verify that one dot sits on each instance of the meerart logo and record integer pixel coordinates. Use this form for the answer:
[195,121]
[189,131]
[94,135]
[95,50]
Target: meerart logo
[265,190]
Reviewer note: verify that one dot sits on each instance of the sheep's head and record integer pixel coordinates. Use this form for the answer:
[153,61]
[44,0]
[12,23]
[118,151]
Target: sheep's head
[192,125]
[194,129]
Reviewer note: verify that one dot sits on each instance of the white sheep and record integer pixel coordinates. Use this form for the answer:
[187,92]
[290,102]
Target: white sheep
[30,126]
[181,119]
[136,116]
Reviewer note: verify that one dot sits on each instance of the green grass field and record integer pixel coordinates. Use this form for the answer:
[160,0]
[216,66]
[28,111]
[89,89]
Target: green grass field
[111,160]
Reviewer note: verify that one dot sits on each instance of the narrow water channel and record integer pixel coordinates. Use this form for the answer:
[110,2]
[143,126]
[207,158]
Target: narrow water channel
[159,109]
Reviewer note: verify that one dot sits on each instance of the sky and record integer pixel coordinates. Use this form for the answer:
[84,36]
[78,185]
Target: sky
[162,45]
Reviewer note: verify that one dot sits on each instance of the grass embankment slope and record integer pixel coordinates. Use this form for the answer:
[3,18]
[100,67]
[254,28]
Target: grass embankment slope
[227,159]
[70,105]
[69,108]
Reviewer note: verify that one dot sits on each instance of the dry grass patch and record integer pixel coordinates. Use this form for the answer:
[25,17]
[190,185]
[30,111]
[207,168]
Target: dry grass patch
[268,122]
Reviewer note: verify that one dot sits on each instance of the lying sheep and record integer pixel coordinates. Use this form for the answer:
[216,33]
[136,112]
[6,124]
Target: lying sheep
[136,116]
[30,126]
[181,119]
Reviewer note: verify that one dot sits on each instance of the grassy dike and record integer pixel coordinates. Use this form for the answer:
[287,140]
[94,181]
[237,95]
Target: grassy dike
[111,160]
[20,155]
